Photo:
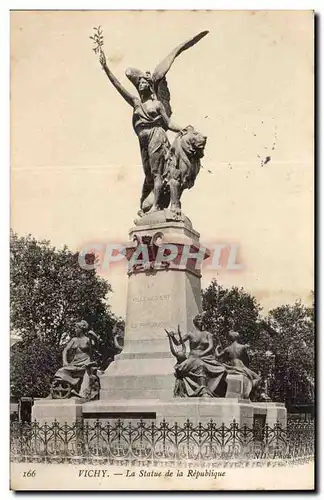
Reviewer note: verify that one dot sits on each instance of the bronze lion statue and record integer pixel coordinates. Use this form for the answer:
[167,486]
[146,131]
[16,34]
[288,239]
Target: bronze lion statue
[182,166]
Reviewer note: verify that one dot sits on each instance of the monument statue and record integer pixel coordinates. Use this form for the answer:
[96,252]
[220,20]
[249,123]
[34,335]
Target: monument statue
[165,260]
[236,360]
[199,373]
[77,377]
[168,169]
[108,353]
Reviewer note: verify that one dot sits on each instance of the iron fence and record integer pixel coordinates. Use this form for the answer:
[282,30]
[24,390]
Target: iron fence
[143,443]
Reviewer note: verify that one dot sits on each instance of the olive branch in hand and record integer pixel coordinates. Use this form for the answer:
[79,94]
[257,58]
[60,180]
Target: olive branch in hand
[98,40]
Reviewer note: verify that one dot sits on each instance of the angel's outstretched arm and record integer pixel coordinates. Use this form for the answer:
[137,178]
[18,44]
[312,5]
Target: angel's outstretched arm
[164,66]
[129,98]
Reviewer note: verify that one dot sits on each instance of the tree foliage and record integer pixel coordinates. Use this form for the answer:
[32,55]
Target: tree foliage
[230,309]
[49,293]
[293,342]
[281,344]
[33,363]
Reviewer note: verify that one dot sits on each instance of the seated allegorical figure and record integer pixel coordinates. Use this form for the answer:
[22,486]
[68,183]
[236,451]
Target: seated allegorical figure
[76,377]
[199,372]
[236,361]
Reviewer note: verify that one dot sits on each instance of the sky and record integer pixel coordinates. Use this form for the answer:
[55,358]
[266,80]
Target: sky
[248,86]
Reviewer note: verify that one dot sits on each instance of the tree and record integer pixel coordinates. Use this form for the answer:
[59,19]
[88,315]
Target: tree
[282,347]
[234,308]
[33,363]
[293,344]
[230,309]
[49,293]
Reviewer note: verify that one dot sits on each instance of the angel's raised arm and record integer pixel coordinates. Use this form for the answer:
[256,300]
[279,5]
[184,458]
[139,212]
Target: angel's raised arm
[164,66]
[129,98]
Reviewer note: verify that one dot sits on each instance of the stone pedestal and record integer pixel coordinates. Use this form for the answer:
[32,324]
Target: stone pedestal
[274,413]
[162,294]
[220,410]
[62,410]
[197,410]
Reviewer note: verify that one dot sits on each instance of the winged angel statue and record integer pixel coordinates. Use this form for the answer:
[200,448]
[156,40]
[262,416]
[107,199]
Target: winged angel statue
[168,169]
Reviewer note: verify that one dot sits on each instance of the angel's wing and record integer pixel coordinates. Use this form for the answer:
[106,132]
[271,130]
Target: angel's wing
[158,77]
[163,95]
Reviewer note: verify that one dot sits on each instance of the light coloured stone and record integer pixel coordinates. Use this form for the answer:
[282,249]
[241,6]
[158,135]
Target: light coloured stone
[62,410]
[275,412]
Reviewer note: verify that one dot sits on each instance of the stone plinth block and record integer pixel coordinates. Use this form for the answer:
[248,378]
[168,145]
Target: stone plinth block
[63,410]
[138,378]
[274,413]
[220,410]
